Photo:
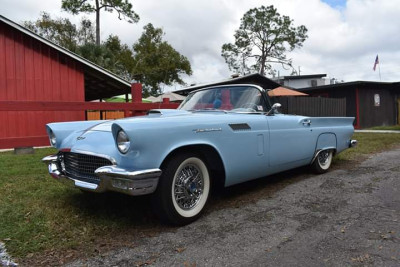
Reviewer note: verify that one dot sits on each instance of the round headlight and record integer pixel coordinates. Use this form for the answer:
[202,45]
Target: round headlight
[123,142]
[53,140]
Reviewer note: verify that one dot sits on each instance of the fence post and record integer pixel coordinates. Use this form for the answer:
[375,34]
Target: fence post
[136,91]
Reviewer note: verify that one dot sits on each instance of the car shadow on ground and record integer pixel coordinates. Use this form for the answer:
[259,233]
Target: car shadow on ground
[137,212]
[122,220]
[252,191]
[124,209]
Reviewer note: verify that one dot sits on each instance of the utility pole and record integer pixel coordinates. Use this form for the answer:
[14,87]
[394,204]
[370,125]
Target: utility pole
[299,70]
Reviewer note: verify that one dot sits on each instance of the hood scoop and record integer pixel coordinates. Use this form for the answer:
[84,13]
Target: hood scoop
[166,112]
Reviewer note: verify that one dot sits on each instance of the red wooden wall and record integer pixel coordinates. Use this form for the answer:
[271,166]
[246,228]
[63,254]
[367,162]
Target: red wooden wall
[39,85]
[33,71]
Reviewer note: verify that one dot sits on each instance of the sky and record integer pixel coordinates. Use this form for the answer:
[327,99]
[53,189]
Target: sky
[344,36]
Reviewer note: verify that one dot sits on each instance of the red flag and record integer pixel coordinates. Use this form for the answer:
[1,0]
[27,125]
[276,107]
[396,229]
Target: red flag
[376,62]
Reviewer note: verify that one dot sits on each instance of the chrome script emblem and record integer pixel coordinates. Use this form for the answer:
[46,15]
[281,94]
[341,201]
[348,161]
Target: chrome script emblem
[207,130]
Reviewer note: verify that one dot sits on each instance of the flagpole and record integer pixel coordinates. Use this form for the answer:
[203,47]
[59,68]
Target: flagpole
[379,66]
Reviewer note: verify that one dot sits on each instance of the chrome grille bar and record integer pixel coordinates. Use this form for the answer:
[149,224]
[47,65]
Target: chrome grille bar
[81,166]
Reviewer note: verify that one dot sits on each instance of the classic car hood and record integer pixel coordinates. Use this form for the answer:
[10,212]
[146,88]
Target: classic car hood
[167,112]
[101,127]
[154,113]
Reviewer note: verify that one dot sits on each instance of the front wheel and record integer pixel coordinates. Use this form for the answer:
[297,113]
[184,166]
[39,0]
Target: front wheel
[183,189]
[323,161]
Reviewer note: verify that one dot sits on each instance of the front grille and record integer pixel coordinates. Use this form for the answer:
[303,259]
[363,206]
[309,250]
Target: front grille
[81,166]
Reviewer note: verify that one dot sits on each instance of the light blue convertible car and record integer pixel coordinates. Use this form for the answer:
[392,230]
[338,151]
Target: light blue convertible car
[219,135]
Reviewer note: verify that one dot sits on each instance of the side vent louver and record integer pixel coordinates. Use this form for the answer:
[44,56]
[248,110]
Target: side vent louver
[240,126]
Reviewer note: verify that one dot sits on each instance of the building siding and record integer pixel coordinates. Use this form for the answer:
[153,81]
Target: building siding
[371,115]
[32,71]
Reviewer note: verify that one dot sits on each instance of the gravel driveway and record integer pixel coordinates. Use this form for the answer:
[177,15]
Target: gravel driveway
[344,217]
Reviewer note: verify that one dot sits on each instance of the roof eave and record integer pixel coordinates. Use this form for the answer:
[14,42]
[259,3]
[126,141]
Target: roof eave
[63,50]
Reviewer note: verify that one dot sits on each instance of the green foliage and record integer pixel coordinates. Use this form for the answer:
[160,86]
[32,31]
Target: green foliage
[151,60]
[111,55]
[264,37]
[122,7]
[62,32]
[157,62]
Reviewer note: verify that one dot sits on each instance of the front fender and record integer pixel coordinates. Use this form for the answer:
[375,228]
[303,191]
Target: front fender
[150,148]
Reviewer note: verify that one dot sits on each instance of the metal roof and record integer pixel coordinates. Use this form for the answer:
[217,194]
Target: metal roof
[346,84]
[99,82]
[298,77]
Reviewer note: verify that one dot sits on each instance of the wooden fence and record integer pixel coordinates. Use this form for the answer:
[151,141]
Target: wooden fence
[313,106]
[104,114]
[19,130]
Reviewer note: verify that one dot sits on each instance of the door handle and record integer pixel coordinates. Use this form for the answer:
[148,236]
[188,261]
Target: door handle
[307,122]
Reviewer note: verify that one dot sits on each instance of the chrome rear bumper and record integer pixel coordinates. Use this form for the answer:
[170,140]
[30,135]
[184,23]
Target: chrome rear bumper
[112,178]
[353,143]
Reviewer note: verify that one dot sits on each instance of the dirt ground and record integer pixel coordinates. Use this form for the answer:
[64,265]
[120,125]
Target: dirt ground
[349,216]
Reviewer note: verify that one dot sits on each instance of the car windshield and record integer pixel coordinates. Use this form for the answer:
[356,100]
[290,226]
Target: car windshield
[235,99]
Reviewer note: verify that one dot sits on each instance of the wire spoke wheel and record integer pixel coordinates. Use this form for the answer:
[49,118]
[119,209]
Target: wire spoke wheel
[183,189]
[323,161]
[323,158]
[188,187]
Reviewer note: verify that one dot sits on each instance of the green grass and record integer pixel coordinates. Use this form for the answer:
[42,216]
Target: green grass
[393,128]
[39,214]
[368,143]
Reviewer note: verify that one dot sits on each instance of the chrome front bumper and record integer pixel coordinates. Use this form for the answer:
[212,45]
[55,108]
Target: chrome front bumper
[112,178]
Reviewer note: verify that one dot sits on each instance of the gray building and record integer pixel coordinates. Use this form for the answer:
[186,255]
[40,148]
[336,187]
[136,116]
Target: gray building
[304,81]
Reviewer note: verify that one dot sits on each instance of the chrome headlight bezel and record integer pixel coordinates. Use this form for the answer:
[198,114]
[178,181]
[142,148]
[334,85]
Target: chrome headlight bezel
[53,138]
[123,142]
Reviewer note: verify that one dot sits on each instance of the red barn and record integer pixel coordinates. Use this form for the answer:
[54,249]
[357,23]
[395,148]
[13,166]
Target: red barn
[41,82]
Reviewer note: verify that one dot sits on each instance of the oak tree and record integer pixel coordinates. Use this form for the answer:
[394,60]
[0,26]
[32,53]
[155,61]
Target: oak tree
[157,62]
[263,38]
[151,60]
[62,31]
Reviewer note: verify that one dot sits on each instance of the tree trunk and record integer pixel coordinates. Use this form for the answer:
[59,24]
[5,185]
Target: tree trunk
[97,23]
[262,69]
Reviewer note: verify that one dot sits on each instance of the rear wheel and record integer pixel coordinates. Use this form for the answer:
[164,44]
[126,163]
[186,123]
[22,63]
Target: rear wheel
[183,189]
[323,161]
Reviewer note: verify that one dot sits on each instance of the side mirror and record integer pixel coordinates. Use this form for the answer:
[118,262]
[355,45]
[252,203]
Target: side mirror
[274,108]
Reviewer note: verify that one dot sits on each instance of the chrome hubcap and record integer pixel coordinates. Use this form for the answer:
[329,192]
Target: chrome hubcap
[323,157]
[188,187]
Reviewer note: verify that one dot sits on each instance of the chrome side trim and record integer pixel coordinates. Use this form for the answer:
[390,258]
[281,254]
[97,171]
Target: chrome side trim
[207,130]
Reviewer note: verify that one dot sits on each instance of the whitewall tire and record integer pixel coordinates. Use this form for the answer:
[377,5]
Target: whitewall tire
[323,161]
[183,189]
